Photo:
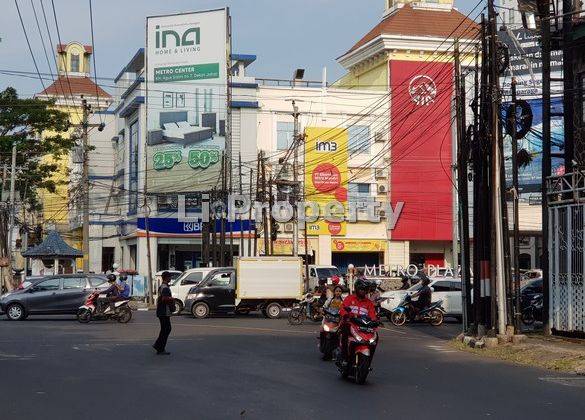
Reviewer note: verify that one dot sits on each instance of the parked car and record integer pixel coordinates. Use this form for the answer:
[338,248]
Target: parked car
[446,289]
[50,295]
[181,285]
[323,272]
[529,291]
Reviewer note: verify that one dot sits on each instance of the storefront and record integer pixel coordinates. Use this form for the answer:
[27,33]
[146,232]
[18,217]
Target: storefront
[359,252]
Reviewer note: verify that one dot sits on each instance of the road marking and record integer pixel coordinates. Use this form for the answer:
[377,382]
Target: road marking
[566,381]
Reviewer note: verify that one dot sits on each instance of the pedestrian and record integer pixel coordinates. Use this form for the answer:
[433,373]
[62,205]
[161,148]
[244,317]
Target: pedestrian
[164,309]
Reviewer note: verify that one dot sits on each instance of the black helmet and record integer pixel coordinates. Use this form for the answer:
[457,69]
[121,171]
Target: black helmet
[123,277]
[361,284]
[111,277]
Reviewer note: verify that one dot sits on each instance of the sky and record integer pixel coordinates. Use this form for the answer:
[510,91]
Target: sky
[284,35]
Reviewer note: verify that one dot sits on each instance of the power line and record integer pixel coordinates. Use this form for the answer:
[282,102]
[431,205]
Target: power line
[28,43]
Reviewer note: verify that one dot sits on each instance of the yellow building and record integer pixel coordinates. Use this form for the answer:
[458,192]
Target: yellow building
[72,85]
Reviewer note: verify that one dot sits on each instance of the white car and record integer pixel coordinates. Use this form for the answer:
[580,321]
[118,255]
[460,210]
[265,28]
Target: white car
[447,289]
[181,285]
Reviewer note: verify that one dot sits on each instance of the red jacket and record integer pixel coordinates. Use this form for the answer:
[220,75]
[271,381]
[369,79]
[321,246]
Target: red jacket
[358,306]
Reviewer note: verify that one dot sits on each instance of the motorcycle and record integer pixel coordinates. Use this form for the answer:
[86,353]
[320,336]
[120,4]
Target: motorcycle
[91,310]
[533,312]
[298,313]
[434,314]
[361,345]
[380,310]
[328,335]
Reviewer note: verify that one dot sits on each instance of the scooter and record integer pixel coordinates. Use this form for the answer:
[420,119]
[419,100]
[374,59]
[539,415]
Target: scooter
[328,335]
[362,341]
[533,312]
[434,314]
[89,310]
[381,311]
[298,312]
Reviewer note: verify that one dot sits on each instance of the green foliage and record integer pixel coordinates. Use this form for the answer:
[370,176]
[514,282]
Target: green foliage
[38,130]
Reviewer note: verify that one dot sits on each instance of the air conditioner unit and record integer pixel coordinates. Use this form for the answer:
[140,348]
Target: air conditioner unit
[382,189]
[379,137]
[381,173]
[289,227]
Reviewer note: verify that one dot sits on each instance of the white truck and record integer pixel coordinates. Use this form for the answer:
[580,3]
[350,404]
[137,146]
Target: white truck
[265,284]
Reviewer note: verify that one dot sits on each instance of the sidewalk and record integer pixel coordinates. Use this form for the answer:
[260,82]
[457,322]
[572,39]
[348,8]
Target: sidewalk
[550,352]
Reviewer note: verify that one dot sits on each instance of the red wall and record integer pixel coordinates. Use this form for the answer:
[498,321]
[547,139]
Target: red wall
[421,149]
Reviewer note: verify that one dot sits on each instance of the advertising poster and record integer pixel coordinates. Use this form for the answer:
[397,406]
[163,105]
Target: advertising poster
[530,177]
[421,135]
[186,99]
[326,174]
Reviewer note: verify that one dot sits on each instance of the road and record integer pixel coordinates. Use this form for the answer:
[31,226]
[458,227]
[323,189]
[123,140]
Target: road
[255,368]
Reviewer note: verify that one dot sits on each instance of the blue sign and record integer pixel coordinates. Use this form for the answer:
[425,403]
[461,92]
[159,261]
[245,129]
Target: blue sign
[530,177]
[172,225]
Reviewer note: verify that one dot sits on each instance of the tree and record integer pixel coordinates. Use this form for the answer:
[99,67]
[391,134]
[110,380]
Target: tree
[38,130]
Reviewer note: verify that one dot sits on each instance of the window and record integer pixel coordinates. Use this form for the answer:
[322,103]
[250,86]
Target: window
[96,281]
[359,193]
[328,272]
[220,279]
[441,286]
[48,285]
[284,135]
[359,139]
[313,273]
[74,63]
[193,278]
[455,286]
[75,283]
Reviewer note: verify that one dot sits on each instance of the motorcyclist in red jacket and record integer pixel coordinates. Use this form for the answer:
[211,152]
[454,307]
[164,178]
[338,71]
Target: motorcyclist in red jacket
[357,304]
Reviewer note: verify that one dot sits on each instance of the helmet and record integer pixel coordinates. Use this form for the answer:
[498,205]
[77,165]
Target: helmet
[361,284]
[335,280]
[123,277]
[111,277]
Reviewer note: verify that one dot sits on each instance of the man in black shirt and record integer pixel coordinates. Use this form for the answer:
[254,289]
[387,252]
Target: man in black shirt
[424,297]
[164,310]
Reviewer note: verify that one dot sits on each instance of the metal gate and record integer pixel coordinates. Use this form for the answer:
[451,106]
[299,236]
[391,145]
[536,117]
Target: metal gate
[567,261]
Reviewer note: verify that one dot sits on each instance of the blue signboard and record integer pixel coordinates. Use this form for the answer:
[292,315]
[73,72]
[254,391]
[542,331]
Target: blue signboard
[530,177]
[176,227]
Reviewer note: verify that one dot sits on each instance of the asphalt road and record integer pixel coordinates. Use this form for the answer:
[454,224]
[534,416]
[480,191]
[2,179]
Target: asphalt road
[254,368]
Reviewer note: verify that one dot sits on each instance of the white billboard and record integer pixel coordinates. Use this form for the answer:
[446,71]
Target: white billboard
[186,99]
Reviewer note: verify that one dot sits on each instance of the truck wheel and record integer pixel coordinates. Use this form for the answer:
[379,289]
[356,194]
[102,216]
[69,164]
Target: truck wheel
[273,310]
[200,310]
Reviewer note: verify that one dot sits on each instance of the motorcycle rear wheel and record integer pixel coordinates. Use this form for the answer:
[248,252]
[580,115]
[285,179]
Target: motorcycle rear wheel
[362,369]
[124,316]
[528,317]
[295,316]
[84,316]
[436,318]
[398,318]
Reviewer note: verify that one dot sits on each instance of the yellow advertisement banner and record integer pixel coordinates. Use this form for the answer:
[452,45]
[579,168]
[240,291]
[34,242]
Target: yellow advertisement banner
[358,245]
[284,246]
[326,174]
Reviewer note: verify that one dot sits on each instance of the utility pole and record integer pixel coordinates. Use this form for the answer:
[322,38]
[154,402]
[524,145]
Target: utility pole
[85,187]
[205,230]
[296,139]
[250,219]
[516,192]
[546,159]
[222,216]
[241,191]
[214,260]
[264,213]
[463,209]
[498,289]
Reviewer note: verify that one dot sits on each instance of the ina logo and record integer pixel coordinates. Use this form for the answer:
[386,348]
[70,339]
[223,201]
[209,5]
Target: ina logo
[191,36]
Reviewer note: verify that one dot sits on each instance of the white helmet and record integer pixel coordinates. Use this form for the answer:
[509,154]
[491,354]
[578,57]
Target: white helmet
[350,266]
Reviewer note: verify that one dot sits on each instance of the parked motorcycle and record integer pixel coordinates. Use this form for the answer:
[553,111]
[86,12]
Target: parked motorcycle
[328,335]
[381,311]
[434,314]
[298,313]
[533,312]
[90,310]
[361,346]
